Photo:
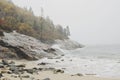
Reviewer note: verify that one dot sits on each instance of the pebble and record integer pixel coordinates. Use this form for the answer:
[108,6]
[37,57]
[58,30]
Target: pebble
[46,79]
[58,71]
[79,74]
[26,76]
[5,62]
[1,75]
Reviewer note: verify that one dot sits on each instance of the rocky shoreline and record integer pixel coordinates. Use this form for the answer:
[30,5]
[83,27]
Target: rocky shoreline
[30,70]
[18,46]
[68,44]
[18,52]
[21,71]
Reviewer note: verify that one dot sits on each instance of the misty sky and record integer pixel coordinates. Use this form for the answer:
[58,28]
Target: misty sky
[90,21]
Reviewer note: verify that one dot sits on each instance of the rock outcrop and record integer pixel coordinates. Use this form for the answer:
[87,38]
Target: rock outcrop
[68,44]
[19,46]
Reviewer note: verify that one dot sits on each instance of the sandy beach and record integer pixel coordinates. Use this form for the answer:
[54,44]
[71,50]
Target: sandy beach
[47,74]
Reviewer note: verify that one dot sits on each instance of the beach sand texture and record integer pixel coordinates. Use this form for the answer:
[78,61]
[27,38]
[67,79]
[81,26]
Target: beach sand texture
[41,75]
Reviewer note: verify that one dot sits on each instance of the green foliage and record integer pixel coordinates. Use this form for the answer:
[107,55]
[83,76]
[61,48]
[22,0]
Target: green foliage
[24,21]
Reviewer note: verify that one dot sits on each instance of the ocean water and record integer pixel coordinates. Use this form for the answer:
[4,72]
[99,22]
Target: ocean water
[103,51]
[102,61]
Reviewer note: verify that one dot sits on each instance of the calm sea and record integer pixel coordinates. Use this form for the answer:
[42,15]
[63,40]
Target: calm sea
[103,51]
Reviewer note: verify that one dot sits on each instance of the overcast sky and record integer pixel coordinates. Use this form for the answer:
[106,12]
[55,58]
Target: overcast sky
[90,21]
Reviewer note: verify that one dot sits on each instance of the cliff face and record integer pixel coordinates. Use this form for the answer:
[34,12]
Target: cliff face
[19,46]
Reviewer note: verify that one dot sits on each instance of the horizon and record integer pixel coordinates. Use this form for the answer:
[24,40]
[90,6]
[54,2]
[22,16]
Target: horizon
[91,22]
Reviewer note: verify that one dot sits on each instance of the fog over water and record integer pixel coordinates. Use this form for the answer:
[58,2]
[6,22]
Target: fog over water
[90,21]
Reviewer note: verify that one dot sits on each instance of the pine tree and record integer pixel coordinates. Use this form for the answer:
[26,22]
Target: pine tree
[67,31]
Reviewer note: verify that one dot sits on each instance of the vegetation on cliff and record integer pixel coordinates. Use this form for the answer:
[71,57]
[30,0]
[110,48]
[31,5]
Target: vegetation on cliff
[24,21]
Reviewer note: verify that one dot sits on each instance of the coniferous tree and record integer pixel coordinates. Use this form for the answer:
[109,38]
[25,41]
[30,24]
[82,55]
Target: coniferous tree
[24,21]
[67,31]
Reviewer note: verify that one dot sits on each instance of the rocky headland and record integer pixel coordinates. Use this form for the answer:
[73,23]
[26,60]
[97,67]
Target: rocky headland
[21,49]
[18,46]
[68,44]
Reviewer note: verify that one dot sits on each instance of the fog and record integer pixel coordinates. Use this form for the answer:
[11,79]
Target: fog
[90,21]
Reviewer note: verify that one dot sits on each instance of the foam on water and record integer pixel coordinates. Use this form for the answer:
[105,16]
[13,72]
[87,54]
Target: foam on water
[93,63]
